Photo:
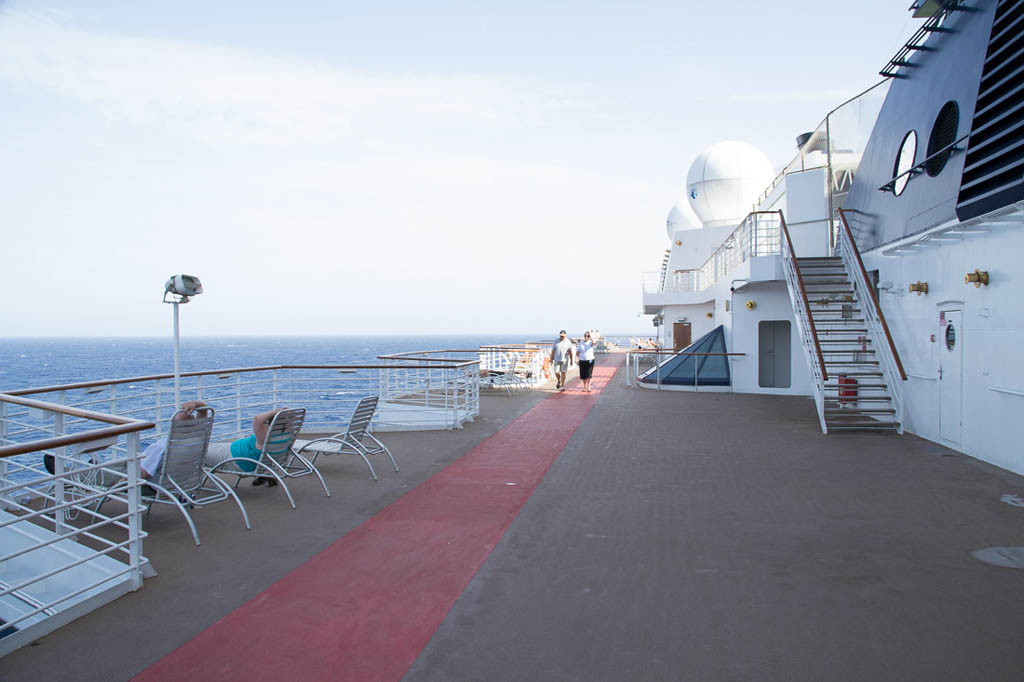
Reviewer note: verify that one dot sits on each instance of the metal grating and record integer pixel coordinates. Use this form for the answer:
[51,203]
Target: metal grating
[993,174]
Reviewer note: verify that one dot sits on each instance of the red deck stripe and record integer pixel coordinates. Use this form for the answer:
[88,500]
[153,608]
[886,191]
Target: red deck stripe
[364,608]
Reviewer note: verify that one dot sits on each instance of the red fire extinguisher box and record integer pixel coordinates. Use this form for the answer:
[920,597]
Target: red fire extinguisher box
[847,390]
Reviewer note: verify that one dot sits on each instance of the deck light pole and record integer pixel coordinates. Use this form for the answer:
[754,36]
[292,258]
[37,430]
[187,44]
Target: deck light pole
[181,288]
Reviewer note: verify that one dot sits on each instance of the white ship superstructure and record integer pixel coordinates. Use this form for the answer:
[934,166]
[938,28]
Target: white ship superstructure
[875,272]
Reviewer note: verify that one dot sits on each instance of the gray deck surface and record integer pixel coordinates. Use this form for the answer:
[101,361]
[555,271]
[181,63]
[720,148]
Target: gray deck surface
[678,536]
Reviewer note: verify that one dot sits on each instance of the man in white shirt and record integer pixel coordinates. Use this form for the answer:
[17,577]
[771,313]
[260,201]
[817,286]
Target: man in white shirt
[561,358]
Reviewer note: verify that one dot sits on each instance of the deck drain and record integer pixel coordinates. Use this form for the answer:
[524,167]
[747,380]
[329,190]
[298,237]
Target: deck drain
[1015,500]
[1007,557]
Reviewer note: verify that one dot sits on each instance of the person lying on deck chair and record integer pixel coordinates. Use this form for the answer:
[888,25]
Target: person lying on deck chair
[152,456]
[247,448]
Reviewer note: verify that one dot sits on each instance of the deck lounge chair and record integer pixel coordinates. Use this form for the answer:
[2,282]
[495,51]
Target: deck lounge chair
[278,459]
[182,481]
[352,441]
[508,380]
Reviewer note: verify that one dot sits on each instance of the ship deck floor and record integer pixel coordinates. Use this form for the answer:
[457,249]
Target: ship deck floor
[675,536]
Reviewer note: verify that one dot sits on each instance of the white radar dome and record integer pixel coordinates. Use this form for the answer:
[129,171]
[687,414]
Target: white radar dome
[725,180]
[681,217]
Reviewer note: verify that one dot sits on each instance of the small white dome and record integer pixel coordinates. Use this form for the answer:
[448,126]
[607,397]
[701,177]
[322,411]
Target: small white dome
[724,181]
[681,217]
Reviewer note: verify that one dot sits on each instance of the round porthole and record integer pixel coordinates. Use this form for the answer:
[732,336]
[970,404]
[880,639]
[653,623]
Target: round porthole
[904,162]
[950,337]
[943,134]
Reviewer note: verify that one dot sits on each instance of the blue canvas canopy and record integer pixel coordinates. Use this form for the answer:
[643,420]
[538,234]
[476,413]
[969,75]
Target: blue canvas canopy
[709,370]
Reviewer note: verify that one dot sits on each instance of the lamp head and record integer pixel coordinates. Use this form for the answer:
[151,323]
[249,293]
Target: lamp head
[183,287]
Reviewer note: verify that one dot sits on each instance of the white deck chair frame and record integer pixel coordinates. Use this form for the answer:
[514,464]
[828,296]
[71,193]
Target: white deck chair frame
[509,379]
[278,459]
[352,441]
[182,480]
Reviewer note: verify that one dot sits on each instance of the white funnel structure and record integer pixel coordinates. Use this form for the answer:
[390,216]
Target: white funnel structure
[724,181]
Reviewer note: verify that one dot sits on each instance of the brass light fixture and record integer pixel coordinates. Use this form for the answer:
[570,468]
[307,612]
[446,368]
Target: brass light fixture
[750,305]
[977,278]
[919,286]
[709,314]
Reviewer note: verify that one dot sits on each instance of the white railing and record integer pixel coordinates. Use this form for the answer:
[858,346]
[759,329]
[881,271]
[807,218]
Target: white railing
[804,323]
[885,350]
[438,395]
[649,363]
[59,557]
[757,235]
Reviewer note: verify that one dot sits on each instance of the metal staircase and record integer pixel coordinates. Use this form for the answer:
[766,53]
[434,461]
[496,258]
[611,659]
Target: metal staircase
[858,377]
[856,395]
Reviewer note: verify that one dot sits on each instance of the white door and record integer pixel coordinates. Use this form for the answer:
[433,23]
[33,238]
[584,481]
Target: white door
[951,344]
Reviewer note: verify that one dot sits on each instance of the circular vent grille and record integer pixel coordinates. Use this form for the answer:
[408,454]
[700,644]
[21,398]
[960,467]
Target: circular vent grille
[943,135]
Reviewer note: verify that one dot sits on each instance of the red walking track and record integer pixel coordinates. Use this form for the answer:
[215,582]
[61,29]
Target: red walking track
[364,608]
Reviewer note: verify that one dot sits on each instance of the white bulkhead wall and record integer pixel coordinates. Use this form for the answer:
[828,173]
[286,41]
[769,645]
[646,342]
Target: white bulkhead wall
[696,246]
[696,315]
[771,301]
[991,339]
[806,212]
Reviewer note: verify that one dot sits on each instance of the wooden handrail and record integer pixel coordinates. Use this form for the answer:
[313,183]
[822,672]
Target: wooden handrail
[872,295]
[803,295]
[121,425]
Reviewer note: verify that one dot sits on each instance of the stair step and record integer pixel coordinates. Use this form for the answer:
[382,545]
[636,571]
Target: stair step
[819,259]
[846,351]
[848,363]
[861,399]
[877,426]
[860,374]
[856,330]
[859,410]
[856,387]
[866,340]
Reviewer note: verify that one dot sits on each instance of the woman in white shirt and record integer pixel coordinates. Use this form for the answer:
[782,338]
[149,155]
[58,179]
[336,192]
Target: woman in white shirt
[585,356]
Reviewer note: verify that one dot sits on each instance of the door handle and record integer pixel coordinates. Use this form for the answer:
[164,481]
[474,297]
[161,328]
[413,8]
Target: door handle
[940,374]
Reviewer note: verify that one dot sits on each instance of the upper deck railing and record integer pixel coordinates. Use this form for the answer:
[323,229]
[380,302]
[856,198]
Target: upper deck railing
[757,235]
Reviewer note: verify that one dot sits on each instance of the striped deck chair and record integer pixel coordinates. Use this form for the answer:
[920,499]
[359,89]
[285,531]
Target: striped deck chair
[352,441]
[278,460]
[182,481]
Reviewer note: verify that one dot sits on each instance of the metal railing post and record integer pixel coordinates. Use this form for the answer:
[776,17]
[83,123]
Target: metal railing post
[134,510]
[5,501]
[60,515]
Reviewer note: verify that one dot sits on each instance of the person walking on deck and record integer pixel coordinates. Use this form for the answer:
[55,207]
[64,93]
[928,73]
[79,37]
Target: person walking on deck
[585,356]
[561,358]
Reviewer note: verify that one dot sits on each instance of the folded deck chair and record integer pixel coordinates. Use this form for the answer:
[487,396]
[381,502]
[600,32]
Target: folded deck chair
[182,481]
[352,441]
[278,460]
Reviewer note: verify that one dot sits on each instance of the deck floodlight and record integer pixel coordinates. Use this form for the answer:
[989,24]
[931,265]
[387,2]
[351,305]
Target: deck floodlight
[183,287]
[180,288]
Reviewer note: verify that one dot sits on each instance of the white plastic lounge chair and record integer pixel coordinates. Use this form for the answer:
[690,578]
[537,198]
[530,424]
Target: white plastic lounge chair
[277,459]
[182,481]
[352,441]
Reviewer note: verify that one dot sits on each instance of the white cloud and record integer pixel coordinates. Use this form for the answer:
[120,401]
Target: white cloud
[225,95]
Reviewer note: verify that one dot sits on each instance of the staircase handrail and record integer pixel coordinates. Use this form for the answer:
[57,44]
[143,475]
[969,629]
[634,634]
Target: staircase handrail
[861,278]
[804,320]
[890,362]
[806,307]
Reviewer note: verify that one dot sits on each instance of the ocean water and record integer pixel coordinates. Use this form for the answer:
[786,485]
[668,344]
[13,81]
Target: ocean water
[31,363]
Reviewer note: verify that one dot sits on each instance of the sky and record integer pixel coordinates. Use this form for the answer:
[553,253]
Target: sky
[331,168]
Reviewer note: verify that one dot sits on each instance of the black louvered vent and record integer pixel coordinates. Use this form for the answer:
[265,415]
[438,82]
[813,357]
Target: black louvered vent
[994,166]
